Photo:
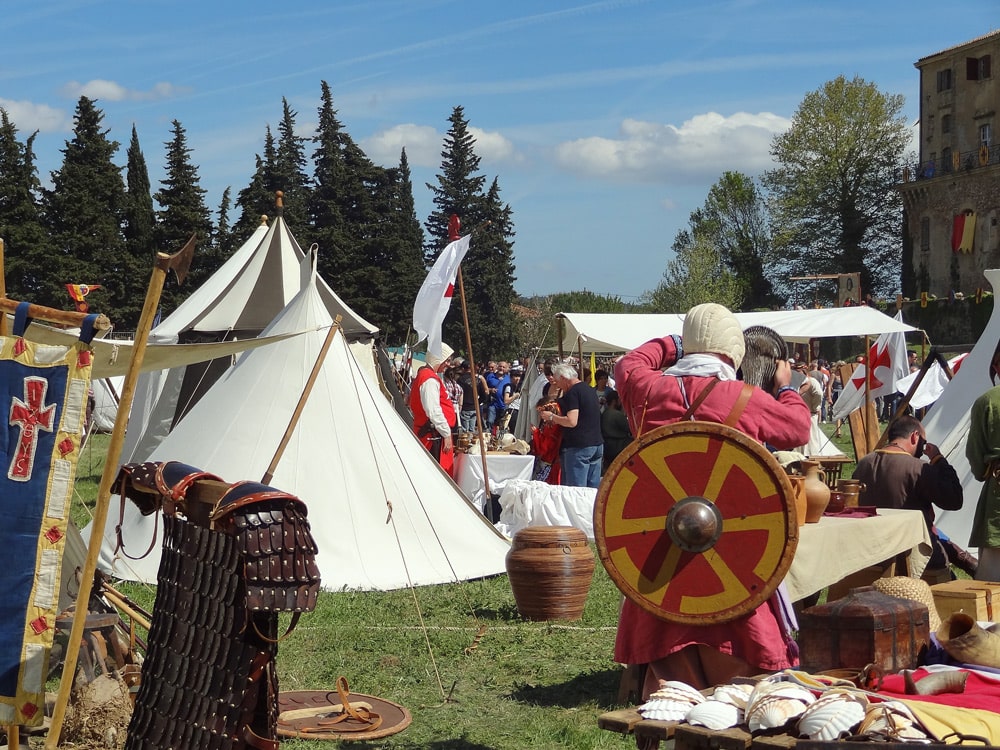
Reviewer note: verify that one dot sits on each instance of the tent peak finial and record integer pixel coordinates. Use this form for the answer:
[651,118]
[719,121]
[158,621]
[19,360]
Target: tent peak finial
[263,219]
[279,201]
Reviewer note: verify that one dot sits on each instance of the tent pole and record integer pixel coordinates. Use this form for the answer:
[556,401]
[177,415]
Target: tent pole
[868,393]
[3,294]
[488,510]
[179,262]
[560,324]
[300,406]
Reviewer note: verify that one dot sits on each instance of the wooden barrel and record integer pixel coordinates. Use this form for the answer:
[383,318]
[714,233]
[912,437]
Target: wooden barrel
[550,569]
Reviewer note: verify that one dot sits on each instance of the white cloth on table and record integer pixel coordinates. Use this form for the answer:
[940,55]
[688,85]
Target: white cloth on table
[528,503]
[502,468]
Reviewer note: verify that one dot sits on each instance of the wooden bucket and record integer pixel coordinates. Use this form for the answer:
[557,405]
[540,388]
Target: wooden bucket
[550,569]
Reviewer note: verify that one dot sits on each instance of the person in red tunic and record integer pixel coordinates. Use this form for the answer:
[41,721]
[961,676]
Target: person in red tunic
[434,415]
[657,383]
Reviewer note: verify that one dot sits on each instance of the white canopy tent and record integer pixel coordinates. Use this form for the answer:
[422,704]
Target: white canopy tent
[948,420]
[607,332]
[382,511]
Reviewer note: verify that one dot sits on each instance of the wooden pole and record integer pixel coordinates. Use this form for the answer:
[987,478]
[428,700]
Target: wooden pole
[3,293]
[868,395]
[52,315]
[300,406]
[179,262]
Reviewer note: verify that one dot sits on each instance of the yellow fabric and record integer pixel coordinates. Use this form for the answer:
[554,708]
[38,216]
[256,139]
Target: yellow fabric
[593,369]
[942,720]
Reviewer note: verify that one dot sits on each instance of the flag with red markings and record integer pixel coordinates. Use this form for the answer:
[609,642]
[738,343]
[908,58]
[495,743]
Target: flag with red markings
[434,298]
[885,365]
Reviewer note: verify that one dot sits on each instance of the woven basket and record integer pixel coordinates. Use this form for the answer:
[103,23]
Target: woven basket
[914,589]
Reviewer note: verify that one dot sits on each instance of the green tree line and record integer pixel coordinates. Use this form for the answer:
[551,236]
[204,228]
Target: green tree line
[98,223]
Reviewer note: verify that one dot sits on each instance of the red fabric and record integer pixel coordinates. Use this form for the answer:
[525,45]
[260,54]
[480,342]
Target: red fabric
[651,399]
[980,692]
[425,373]
[545,442]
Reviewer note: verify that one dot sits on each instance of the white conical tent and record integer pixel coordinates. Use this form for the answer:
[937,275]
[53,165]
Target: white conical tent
[948,420]
[383,513]
[236,302]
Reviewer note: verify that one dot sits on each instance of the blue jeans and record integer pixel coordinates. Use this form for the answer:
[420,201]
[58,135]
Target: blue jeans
[581,467]
[467,419]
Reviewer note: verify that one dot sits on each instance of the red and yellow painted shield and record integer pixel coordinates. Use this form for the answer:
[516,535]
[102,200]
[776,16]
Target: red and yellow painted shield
[695,523]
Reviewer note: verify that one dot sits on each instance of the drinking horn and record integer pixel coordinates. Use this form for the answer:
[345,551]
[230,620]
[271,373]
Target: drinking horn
[963,639]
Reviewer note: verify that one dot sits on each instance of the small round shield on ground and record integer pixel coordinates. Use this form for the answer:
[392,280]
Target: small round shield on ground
[695,523]
[318,715]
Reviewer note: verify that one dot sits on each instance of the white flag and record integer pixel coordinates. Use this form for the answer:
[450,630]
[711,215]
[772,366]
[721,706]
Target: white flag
[887,359]
[434,297]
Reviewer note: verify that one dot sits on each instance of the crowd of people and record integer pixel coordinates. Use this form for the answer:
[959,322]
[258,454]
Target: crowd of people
[581,421]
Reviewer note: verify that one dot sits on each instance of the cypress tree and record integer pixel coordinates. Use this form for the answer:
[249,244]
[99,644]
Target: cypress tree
[85,211]
[289,174]
[487,271]
[182,213]
[257,198]
[139,229]
[26,246]
[223,239]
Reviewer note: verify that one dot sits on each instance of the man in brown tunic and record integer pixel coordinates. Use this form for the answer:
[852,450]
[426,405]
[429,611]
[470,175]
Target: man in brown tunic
[896,477]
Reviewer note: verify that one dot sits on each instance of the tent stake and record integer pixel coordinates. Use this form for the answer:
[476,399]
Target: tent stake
[179,262]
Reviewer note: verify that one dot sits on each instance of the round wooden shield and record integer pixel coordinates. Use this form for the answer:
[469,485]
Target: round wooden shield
[695,523]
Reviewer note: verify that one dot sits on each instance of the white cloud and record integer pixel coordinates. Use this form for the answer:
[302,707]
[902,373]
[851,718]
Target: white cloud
[424,145]
[699,150]
[110,91]
[29,117]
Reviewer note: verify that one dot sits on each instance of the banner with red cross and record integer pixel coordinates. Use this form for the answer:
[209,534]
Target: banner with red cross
[43,400]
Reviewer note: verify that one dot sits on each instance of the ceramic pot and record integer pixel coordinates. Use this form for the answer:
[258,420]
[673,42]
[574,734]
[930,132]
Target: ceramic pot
[817,491]
[852,488]
[799,490]
[550,570]
[838,501]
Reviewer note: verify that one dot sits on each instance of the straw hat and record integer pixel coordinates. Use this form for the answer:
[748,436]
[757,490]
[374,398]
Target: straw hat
[914,589]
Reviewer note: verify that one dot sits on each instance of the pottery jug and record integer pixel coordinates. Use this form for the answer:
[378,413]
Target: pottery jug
[817,491]
[852,489]
[799,493]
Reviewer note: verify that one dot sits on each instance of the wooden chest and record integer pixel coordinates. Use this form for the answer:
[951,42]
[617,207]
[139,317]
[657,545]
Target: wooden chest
[979,599]
[865,627]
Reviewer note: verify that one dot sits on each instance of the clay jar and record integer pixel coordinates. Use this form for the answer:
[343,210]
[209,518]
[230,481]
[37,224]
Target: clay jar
[852,489]
[799,491]
[817,491]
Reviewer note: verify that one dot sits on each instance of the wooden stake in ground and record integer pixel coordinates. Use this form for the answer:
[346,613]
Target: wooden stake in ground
[178,262]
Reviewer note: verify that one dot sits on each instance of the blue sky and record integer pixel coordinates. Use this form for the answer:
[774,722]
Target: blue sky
[605,122]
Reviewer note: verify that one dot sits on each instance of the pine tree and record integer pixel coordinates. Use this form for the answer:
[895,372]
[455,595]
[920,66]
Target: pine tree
[395,257]
[488,267]
[223,239]
[256,200]
[182,213]
[327,223]
[26,247]
[139,229]
[289,174]
[85,210]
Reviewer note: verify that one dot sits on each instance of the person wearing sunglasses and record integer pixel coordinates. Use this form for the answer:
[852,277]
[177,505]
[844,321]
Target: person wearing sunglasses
[897,476]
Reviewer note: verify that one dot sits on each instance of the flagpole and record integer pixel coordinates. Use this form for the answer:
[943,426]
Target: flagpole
[868,393]
[179,262]
[453,235]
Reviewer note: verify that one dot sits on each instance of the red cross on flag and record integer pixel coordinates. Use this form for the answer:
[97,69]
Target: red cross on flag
[887,359]
[434,297]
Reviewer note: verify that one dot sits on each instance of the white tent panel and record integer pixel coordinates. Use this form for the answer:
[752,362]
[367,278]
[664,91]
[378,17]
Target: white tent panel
[599,332]
[948,420]
[376,498]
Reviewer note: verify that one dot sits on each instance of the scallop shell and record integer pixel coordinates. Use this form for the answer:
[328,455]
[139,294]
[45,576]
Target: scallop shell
[664,709]
[831,717]
[892,720]
[714,715]
[772,711]
[783,689]
[734,694]
[677,690]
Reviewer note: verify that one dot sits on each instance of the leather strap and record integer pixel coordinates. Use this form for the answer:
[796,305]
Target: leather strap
[689,414]
[739,406]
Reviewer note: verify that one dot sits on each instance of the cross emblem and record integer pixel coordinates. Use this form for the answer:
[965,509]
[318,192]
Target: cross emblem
[31,415]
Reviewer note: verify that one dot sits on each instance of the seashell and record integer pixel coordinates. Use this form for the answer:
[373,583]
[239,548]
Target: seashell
[891,720]
[664,709]
[734,694]
[772,711]
[831,717]
[678,691]
[714,714]
[784,689]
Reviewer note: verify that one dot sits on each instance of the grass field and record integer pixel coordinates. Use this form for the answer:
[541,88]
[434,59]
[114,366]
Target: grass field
[519,684]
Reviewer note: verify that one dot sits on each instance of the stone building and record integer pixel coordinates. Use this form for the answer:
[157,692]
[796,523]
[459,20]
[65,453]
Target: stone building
[951,197]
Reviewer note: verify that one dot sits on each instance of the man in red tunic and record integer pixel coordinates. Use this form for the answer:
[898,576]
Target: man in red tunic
[657,384]
[434,415]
